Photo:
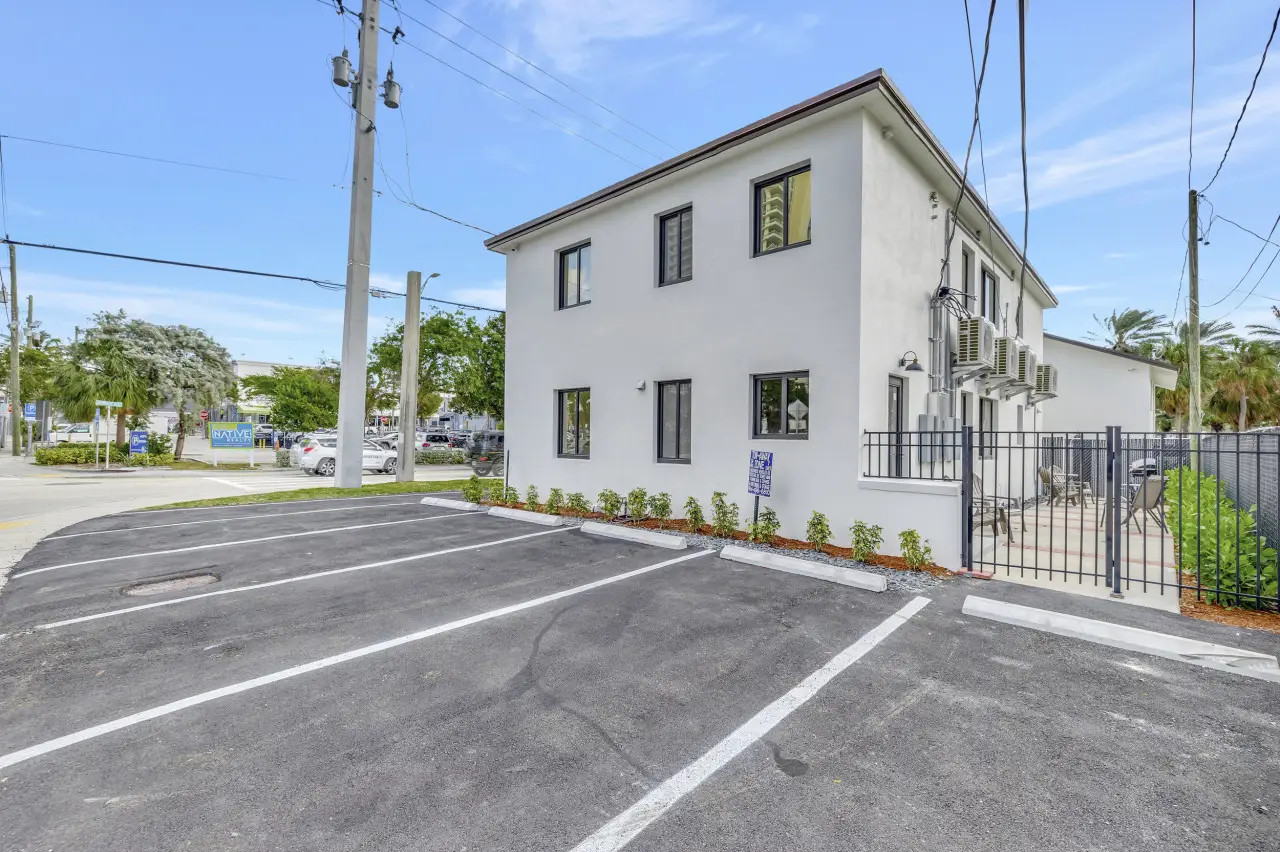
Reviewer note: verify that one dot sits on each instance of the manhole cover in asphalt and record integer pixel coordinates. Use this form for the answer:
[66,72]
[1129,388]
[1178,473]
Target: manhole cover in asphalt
[170,584]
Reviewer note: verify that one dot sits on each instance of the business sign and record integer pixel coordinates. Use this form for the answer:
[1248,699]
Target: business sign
[137,441]
[231,436]
[760,477]
[28,411]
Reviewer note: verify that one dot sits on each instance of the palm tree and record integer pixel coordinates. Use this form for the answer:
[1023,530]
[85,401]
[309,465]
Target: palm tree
[100,371]
[1269,333]
[1248,372]
[1130,330]
[1176,401]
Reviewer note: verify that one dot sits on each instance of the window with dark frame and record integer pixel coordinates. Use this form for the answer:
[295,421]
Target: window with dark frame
[675,421]
[573,415]
[780,407]
[966,275]
[675,247]
[574,285]
[990,296]
[986,427]
[783,211]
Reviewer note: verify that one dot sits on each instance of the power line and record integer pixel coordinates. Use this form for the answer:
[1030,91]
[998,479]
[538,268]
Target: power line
[1254,288]
[1245,106]
[1252,233]
[1266,242]
[982,157]
[525,83]
[319,282]
[547,73]
[1177,299]
[144,157]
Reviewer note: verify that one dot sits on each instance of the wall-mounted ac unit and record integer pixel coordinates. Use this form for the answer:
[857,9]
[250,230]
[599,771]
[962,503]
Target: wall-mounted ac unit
[977,344]
[1046,381]
[1006,364]
[1025,372]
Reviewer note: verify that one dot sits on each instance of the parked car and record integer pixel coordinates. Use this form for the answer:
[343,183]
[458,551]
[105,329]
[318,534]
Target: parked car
[82,433]
[488,452]
[320,456]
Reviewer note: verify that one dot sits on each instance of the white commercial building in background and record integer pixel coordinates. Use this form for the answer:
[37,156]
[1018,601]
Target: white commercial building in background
[766,291]
[1100,387]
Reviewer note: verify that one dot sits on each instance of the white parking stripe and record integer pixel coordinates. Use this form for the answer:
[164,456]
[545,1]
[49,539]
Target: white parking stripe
[234,543]
[620,830]
[246,685]
[223,520]
[315,575]
[411,497]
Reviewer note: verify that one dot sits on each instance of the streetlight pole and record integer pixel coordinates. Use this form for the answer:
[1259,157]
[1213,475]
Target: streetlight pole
[409,378]
[355,320]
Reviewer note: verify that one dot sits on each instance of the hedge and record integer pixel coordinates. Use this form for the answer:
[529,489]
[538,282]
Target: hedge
[65,454]
[1206,527]
[440,457]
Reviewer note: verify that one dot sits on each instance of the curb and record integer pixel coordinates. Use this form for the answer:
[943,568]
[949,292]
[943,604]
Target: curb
[640,536]
[807,568]
[446,503]
[1193,651]
[531,517]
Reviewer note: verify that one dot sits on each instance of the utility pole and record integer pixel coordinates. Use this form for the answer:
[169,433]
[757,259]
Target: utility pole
[15,345]
[1194,414]
[409,377]
[355,320]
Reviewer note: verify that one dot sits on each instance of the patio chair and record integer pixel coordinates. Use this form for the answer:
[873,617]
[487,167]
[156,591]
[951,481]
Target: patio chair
[1148,499]
[1062,486]
[1084,489]
[993,510]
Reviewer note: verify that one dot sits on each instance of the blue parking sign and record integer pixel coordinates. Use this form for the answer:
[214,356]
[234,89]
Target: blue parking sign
[137,441]
[29,411]
[760,476]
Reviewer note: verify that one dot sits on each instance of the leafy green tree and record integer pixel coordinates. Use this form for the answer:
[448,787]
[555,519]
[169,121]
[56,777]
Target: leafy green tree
[1131,330]
[116,361]
[1248,373]
[38,359]
[1268,333]
[194,372]
[480,385]
[441,350]
[301,398]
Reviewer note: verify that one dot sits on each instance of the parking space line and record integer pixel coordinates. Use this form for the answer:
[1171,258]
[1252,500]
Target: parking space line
[241,541]
[244,686]
[623,828]
[220,520]
[411,497]
[230,482]
[315,575]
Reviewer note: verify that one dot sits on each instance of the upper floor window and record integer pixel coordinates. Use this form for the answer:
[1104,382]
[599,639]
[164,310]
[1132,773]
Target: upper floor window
[675,247]
[781,406]
[990,296]
[966,275]
[575,276]
[782,214]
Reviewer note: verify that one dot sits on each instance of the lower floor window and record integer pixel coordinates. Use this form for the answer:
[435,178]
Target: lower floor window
[675,419]
[986,427]
[574,407]
[781,404]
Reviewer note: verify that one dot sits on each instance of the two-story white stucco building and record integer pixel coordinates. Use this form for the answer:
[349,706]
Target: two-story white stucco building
[770,290]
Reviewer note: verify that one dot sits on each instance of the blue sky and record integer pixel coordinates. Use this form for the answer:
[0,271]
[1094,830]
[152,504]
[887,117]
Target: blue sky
[247,87]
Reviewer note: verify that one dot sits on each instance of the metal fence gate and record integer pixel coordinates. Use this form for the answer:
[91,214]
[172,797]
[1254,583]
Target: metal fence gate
[1152,515]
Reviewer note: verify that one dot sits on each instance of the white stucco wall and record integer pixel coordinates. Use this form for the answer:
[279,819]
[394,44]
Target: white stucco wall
[738,316]
[1097,390]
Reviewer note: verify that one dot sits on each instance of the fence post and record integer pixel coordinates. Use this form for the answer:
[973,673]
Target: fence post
[966,497]
[1115,486]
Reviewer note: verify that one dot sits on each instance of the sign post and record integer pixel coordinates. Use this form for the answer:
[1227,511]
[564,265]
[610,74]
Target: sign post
[759,478]
[108,405]
[230,436]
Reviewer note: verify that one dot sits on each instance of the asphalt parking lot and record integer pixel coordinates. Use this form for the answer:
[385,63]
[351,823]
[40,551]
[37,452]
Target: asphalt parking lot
[377,674]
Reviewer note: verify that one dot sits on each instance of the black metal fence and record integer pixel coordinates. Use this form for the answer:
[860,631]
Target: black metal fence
[1131,514]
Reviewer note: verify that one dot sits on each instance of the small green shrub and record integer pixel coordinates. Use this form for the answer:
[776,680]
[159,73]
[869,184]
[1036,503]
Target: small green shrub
[159,443]
[609,503]
[693,515]
[818,530]
[437,456]
[510,496]
[578,504]
[555,502]
[531,501]
[637,503]
[867,540]
[494,490]
[915,550]
[765,528]
[724,515]
[80,454]
[283,458]
[473,490]
[660,507]
[151,459]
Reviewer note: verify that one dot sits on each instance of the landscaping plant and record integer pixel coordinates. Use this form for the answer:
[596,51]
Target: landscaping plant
[765,528]
[555,502]
[473,490]
[531,498]
[282,458]
[818,531]
[637,502]
[510,496]
[578,503]
[1206,525]
[494,490]
[693,515]
[609,503]
[159,443]
[867,540]
[660,507]
[724,515]
[915,550]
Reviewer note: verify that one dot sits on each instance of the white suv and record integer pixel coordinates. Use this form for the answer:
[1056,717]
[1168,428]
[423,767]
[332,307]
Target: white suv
[320,456]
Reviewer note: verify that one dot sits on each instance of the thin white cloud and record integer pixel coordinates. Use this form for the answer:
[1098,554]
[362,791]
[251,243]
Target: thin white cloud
[492,296]
[1063,289]
[1118,255]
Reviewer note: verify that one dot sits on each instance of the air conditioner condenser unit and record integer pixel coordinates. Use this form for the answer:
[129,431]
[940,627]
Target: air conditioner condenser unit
[1046,381]
[976,344]
[1027,366]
